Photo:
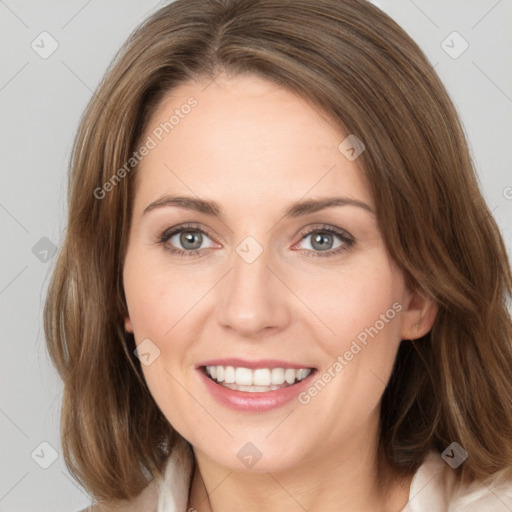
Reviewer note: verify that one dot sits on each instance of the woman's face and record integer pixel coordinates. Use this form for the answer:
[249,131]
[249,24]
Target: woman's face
[257,281]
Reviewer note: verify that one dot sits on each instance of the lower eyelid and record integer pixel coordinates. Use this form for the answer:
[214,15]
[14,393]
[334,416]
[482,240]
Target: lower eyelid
[345,240]
[166,239]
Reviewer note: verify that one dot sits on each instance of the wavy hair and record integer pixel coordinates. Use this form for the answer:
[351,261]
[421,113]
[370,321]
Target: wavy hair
[354,63]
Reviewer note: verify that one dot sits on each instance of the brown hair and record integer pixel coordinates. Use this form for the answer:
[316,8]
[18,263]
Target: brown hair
[354,63]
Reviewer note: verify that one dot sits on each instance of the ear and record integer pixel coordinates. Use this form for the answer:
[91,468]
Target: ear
[128,327]
[419,315]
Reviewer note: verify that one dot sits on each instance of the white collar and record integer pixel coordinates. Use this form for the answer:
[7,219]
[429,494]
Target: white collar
[173,488]
[433,487]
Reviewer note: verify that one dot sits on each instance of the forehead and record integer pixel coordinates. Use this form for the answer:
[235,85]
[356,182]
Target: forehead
[244,136]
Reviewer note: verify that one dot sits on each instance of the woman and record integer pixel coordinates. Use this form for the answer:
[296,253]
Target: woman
[280,286]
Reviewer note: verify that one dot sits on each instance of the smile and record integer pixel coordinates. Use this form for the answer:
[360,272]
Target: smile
[259,380]
[254,386]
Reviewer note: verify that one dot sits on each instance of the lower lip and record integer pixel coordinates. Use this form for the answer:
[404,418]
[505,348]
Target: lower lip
[254,402]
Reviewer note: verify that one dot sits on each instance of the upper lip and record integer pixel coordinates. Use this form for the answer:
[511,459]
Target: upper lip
[253,365]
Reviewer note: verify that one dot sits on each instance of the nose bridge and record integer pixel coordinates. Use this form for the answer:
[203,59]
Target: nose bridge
[252,298]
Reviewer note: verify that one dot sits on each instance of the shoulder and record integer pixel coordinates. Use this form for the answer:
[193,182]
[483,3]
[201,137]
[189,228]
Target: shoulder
[168,492]
[434,487]
[146,501]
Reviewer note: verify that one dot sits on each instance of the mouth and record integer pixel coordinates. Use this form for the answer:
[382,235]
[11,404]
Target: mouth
[254,386]
[255,380]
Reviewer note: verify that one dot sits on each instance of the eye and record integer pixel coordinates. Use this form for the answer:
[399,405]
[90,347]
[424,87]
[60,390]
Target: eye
[185,240]
[326,241]
[188,240]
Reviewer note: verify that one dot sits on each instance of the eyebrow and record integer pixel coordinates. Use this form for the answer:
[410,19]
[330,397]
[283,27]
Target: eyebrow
[296,209]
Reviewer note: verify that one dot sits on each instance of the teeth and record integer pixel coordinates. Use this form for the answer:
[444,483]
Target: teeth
[303,373]
[261,379]
[252,389]
[289,375]
[229,375]
[277,376]
[243,376]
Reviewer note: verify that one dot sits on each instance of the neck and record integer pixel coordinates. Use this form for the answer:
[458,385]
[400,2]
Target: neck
[345,479]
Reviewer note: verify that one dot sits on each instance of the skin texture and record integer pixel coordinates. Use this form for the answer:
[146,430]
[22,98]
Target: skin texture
[254,148]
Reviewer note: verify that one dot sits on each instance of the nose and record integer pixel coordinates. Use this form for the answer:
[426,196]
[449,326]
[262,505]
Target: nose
[253,299]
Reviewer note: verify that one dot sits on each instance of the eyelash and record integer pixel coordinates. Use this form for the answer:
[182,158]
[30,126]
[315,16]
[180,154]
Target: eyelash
[347,239]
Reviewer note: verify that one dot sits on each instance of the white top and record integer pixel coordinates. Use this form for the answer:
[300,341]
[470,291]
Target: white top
[432,489]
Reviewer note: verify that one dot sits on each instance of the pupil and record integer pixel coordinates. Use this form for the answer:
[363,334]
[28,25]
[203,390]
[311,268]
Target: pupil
[187,237]
[325,239]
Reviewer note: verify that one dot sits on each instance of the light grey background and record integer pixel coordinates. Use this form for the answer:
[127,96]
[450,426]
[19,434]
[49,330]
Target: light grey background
[41,101]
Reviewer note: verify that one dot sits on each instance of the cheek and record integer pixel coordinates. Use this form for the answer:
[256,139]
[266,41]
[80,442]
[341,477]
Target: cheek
[157,299]
[355,302]
[362,309]
[335,310]
[159,305]
[337,307]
